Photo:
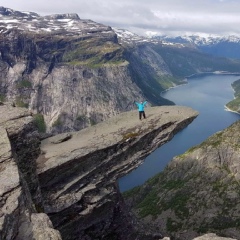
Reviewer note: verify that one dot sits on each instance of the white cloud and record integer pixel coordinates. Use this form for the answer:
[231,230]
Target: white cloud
[140,16]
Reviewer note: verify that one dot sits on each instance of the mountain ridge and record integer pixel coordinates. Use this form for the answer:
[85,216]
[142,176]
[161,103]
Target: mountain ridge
[222,46]
[73,73]
[70,23]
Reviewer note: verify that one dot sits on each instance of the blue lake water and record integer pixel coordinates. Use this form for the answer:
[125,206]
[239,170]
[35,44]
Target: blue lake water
[206,94]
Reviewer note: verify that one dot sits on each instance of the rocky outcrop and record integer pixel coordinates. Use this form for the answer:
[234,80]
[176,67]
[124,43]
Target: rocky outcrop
[77,182]
[212,236]
[78,174]
[19,192]
[198,191]
[74,181]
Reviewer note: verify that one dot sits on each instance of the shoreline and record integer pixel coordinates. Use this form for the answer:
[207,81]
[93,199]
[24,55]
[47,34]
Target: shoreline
[185,80]
[213,73]
[234,92]
[229,110]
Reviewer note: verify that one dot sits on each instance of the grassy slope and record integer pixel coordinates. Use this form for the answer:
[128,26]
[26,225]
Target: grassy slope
[234,105]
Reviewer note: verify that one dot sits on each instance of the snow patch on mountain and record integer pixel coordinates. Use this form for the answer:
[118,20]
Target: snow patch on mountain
[70,24]
[199,39]
[127,37]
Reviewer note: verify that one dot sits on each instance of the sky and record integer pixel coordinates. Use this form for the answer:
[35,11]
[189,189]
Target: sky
[169,17]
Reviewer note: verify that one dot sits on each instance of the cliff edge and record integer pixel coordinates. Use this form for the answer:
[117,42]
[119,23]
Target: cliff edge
[78,171]
[68,182]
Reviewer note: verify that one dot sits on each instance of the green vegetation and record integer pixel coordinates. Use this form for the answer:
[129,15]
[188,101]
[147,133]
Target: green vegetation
[20,103]
[94,53]
[167,81]
[173,226]
[214,141]
[24,84]
[236,87]
[81,118]
[152,205]
[2,98]
[190,150]
[154,180]
[132,192]
[174,184]
[178,203]
[219,187]
[220,223]
[92,121]
[149,205]
[40,123]
[234,105]
[130,135]
[57,123]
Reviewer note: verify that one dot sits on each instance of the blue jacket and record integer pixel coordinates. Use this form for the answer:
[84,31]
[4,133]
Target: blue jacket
[141,106]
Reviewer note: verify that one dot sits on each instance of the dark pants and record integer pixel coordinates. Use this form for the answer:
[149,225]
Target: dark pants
[141,113]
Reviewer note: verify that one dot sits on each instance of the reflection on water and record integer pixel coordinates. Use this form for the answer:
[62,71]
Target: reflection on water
[208,95]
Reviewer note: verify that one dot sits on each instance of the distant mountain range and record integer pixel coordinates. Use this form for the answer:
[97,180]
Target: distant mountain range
[220,46]
[225,46]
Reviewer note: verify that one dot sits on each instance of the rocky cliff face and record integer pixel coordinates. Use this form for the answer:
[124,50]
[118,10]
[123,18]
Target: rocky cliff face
[78,174]
[197,192]
[72,71]
[21,199]
[74,182]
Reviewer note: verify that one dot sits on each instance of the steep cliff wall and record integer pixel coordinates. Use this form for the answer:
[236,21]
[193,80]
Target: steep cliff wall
[72,71]
[43,74]
[19,192]
[198,191]
[150,72]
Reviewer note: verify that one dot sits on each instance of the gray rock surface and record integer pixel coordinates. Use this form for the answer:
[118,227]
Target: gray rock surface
[19,188]
[39,227]
[78,176]
[212,236]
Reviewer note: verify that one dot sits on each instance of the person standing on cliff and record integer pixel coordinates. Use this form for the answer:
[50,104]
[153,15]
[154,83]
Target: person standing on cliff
[141,106]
